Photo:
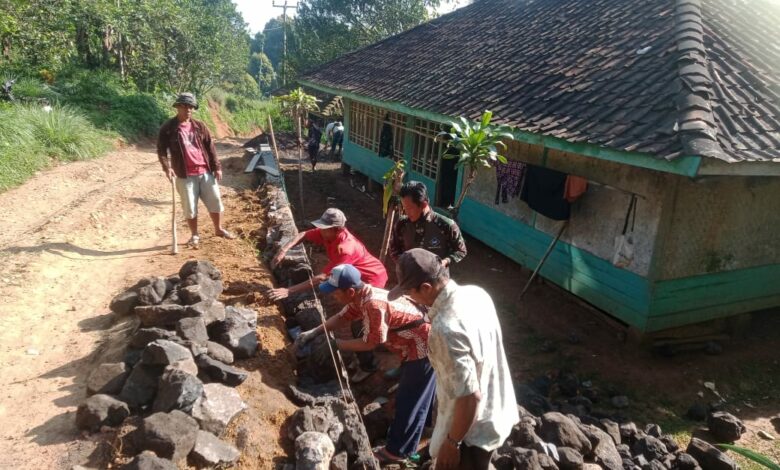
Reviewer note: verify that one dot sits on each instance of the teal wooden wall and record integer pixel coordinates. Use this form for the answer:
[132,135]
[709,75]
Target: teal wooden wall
[622,293]
[647,302]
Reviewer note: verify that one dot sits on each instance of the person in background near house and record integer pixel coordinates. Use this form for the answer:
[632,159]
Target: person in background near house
[400,326]
[329,134]
[337,138]
[193,162]
[422,227]
[476,399]
[313,147]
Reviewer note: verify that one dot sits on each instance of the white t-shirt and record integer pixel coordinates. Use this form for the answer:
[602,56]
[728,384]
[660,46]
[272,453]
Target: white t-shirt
[329,130]
[467,353]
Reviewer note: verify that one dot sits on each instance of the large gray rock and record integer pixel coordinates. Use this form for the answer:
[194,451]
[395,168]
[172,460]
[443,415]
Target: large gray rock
[219,352]
[685,461]
[196,348]
[101,410]
[709,457]
[725,427]
[308,418]
[352,438]
[152,293]
[212,370]
[178,390]
[199,266]
[147,460]
[217,407]
[162,315]
[209,311]
[313,451]
[169,435]
[210,452]
[208,288]
[141,385]
[603,448]
[569,459]
[124,303]
[107,378]
[340,461]
[650,447]
[144,336]
[611,428]
[563,432]
[192,329]
[525,458]
[237,332]
[191,295]
[164,352]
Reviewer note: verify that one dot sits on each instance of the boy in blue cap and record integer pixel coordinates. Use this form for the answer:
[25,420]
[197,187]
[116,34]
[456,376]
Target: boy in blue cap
[401,326]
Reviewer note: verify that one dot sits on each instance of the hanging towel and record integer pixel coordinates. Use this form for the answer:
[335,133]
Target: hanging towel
[575,187]
[386,141]
[509,180]
[543,192]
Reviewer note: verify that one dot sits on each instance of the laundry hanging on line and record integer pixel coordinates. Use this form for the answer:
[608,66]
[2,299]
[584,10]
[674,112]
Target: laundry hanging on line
[544,190]
[509,180]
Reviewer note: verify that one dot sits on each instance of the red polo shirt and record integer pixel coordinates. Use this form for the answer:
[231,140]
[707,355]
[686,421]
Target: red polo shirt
[347,249]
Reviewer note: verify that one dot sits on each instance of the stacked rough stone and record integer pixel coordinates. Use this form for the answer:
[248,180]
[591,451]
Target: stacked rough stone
[176,370]
[328,433]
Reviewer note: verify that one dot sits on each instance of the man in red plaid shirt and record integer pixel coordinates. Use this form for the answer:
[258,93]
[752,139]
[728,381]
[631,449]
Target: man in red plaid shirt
[402,328]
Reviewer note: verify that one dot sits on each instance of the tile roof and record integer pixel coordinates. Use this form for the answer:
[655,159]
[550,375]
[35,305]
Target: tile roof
[665,77]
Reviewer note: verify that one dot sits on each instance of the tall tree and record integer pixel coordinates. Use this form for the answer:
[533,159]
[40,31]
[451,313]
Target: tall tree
[329,28]
[261,69]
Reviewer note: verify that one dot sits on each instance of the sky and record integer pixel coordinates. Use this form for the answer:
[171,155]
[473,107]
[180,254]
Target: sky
[257,12]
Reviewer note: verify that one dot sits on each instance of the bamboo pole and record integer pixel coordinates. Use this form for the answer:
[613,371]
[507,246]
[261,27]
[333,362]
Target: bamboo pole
[300,163]
[544,258]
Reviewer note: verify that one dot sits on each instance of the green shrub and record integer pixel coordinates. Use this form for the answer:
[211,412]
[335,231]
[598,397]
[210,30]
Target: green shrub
[30,137]
[32,90]
[217,95]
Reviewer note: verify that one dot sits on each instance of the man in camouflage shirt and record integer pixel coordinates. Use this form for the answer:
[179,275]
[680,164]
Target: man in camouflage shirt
[422,227]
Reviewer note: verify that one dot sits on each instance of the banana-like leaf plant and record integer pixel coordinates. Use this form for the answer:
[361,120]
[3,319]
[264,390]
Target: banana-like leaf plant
[476,145]
[752,455]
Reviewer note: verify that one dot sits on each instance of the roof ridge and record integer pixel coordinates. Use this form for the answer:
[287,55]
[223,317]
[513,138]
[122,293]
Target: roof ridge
[696,125]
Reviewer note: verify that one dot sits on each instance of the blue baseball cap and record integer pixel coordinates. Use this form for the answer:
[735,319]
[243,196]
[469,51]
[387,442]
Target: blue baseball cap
[342,276]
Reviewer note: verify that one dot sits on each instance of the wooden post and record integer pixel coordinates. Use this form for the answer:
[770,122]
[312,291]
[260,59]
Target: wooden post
[544,258]
[273,141]
[300,163]
[389,222]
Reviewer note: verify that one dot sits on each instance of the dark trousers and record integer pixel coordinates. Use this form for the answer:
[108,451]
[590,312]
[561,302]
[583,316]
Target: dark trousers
[416,389]
[338,140]
[474,458]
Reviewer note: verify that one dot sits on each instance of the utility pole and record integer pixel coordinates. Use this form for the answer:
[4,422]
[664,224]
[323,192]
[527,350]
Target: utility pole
[284,6]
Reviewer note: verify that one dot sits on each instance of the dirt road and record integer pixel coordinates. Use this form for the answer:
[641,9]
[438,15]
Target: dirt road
[73,237]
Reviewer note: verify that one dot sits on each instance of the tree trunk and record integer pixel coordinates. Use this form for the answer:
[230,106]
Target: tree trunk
[469,179]
[299,122]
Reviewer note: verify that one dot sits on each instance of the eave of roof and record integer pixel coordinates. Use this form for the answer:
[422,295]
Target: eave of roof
[683,165]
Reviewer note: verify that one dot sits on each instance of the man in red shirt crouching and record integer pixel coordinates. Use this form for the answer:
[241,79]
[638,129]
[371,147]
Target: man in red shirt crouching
[194,163]
[400,325]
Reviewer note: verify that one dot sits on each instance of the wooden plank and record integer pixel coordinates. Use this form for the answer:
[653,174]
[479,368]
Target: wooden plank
[715,290]
[688,317]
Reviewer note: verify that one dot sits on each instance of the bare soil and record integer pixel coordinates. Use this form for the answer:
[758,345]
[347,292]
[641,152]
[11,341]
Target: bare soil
[76,235]
[549,330]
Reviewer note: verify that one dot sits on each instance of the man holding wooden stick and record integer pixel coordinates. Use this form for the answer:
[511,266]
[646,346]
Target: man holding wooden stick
[193,166]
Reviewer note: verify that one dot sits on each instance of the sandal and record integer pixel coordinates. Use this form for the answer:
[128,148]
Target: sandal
[225,234]
[386,458]
[194,242]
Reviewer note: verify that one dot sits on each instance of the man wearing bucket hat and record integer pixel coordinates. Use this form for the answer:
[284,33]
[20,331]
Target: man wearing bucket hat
[476,400]
[401,327]
[341,247]
[194,164]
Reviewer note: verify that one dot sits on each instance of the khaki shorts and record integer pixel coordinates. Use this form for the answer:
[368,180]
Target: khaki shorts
[202,187]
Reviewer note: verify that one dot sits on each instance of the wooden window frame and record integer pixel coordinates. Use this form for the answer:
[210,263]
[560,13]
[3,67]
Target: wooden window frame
[426,153]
